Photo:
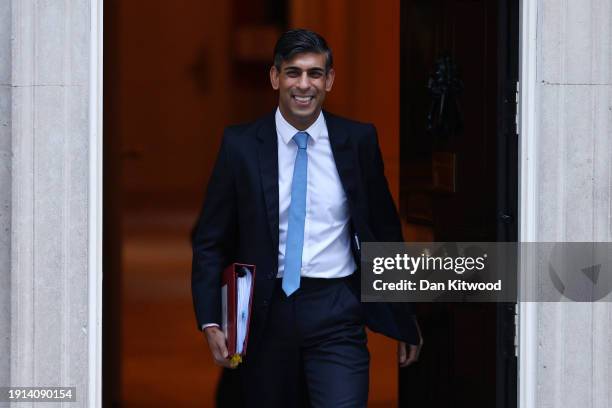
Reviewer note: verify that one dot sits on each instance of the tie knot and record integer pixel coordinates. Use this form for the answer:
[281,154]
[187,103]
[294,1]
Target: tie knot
[300,139]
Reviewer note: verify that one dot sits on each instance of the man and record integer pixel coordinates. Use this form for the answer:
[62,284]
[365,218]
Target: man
[294,193]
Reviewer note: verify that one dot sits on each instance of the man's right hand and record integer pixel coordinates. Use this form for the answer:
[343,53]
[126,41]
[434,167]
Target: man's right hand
[218,346]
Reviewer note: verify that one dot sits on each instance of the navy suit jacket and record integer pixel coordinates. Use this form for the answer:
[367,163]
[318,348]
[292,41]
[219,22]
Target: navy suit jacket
[239,219]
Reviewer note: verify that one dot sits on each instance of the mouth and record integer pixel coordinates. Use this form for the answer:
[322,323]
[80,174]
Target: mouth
[303,100]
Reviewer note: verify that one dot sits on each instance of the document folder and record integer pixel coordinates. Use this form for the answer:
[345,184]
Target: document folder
[236,300]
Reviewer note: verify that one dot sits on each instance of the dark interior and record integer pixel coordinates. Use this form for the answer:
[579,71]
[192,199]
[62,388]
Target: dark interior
[458,182]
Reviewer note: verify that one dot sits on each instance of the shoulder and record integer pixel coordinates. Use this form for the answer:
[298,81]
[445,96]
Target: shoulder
[362,132]
[347,123]
[243,132]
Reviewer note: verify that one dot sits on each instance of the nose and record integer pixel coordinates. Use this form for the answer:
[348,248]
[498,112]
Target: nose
[304,82]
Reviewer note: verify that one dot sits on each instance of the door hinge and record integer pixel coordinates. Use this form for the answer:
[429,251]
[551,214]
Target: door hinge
[517,96]
[516,330]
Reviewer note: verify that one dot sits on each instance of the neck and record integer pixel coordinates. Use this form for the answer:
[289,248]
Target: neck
[300,123]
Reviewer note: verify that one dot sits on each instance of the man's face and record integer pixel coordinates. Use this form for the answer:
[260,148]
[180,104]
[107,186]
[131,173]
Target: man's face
[302,84]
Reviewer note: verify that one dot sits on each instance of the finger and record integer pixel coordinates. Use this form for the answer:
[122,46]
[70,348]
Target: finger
[220,359]
[222,346]
[412,356]
[225,363]
[216,351]
[216,340]
[418,353]
[407,362]
[401,352]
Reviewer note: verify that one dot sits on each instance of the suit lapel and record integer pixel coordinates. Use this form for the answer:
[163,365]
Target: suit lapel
[343,156]
[268,167]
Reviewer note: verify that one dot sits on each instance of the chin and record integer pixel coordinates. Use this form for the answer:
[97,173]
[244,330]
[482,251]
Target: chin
[301,114]
[304,113]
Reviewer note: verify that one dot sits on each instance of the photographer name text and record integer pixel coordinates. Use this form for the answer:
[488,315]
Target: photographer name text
[426,285]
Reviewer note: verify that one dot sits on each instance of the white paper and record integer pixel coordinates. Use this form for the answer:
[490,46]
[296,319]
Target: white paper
[242,312]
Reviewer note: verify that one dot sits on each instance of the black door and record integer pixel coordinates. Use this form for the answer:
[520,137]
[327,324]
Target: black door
[459,182]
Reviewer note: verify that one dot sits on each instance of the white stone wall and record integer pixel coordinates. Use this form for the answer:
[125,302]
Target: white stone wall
[573,173]
[5,190]
[44,127]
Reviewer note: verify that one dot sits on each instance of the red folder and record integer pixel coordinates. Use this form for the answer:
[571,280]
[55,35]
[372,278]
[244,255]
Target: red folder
[237,285]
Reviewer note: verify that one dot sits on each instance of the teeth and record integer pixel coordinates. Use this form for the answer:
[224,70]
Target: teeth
[303,98]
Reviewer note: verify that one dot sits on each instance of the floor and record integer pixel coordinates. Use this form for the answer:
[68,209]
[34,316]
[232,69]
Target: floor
[165,360]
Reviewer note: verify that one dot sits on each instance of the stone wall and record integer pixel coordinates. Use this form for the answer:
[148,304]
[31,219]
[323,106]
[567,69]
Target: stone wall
[44,181]
[5,190]
[573,172]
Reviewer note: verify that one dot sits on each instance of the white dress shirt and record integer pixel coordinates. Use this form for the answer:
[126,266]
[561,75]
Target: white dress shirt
[327,247]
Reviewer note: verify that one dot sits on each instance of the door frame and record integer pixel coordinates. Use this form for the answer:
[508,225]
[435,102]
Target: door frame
[94,275]
[527,115]
[507,191]
[527,216]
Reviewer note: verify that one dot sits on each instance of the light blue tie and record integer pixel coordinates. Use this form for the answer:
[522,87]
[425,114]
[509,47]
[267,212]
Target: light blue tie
[297,214]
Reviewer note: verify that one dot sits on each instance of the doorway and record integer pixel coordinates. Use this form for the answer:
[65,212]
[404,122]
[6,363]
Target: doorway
[174,77]
[159,149]
[459,171]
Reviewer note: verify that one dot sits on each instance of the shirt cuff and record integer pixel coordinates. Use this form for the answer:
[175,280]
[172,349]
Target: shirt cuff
[205,325]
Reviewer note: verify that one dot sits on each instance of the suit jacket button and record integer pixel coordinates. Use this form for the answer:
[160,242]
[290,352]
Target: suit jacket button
[265,303]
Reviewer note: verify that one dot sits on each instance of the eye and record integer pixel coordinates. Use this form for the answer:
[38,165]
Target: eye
[316,74]
[293,74]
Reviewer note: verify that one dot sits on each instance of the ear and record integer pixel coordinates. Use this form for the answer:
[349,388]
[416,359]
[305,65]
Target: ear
[329,79]
[274,74]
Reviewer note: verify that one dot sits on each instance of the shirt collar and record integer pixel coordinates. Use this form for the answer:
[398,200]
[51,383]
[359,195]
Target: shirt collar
[287,131]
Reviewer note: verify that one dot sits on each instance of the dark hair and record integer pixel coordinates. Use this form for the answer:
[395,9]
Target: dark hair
[299,41]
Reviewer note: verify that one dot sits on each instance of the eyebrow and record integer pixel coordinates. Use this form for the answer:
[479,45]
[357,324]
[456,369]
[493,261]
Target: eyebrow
[294,68]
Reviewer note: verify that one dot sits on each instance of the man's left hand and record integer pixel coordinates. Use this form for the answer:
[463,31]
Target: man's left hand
[409,354]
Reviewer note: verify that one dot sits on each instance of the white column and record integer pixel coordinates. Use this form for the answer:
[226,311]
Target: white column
[5,190]
[566,151]
[51,128]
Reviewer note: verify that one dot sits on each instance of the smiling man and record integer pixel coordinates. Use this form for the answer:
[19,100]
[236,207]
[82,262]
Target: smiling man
[295,193]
